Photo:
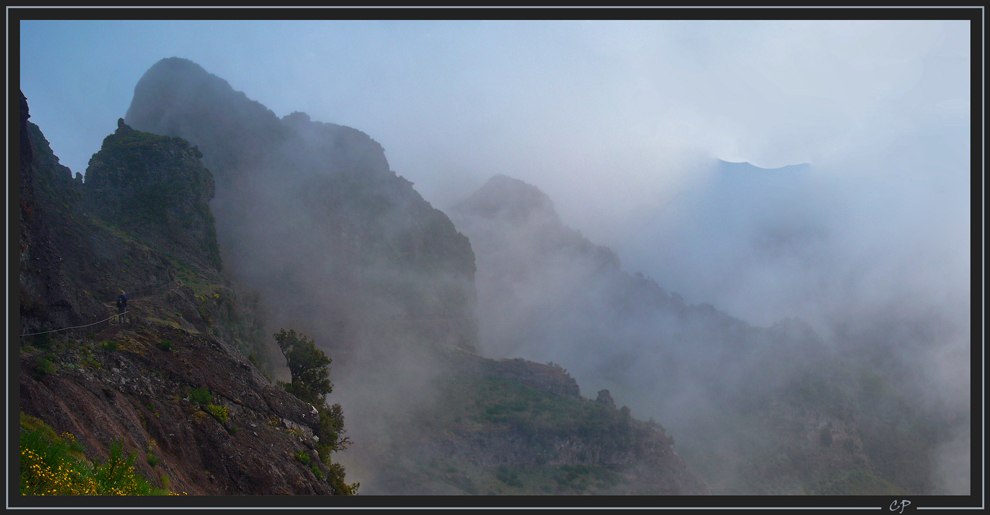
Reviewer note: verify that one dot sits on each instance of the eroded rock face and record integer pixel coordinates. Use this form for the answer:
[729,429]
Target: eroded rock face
[50,295]
[143,396]
[145,201]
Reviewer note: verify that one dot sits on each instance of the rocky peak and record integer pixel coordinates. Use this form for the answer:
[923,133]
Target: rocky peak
[510,216]
[177,97]
[364,244]
[131,159]
[510,199]
[157,186]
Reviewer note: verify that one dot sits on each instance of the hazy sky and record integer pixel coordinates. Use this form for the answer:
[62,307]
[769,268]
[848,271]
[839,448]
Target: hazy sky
[606,117]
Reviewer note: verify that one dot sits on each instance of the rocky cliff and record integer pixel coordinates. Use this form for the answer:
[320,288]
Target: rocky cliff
[310,215]
[50,293]
[172,383]
[155,186]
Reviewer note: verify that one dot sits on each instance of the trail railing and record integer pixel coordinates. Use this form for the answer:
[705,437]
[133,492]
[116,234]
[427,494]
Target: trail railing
[112,319]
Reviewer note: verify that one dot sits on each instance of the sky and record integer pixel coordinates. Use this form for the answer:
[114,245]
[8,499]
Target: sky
[610,118]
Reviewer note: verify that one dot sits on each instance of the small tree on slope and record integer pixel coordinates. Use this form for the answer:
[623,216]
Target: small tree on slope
[311,383]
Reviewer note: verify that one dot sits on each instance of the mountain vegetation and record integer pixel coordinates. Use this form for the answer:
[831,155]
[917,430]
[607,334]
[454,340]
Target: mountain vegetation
[311,383]
[55,465]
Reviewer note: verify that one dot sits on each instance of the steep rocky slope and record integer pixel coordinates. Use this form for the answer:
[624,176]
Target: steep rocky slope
[173,383]
[122,385]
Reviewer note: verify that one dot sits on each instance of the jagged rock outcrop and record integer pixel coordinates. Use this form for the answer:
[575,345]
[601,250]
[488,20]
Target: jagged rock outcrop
[491,417]
[50,294]
[605,397]
[156,187]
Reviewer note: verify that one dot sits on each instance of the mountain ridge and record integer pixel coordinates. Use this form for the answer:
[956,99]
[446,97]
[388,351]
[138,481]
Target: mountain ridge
[356,222]
[745,166]
[398,266]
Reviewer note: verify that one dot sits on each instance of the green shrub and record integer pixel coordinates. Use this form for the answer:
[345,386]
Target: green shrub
[307,365]
[43,366]
[311,383]
[47,467]
[89,360]
[508,476]
[303,457]
[221,413]
[109,345]
[42,341]
[116,476]
[166,345]
[336,479]
[201,395]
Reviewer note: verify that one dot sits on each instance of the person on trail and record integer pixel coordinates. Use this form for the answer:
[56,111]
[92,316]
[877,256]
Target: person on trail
[121,306]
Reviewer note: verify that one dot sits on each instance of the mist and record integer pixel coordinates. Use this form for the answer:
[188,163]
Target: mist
[871,252]
[875,259]
[878,279]
[756,172]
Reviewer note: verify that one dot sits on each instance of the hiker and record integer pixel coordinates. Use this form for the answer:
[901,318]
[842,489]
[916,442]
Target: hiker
[121,306]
